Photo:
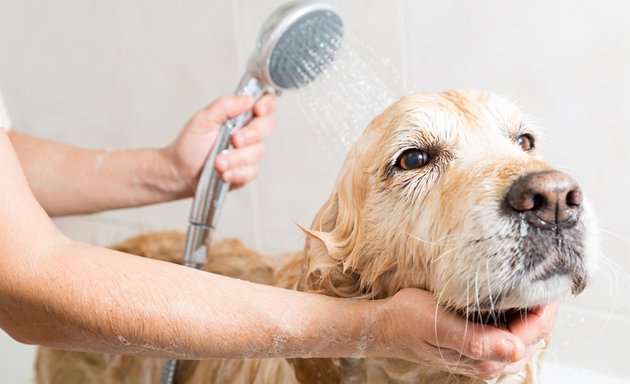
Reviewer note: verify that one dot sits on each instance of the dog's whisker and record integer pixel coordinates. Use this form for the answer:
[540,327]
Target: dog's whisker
[435,324]
[609,268]
[445,253]
[616,235]
[612,264]
[426,241]
[489,285]
[477,303]
[467,314]
[441,240]
[613,285]
[611,271]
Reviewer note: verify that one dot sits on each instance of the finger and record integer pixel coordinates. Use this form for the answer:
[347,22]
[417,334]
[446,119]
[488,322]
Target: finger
[477,341]
[536,325]
[530,352]
[265,106]
[454,362]
[481,369]
[240,157]
[240,176]
[257,130]
[225,108]
[488,370]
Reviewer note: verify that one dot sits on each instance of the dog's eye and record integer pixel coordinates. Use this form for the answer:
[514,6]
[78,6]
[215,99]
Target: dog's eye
[412,159]
[526,141]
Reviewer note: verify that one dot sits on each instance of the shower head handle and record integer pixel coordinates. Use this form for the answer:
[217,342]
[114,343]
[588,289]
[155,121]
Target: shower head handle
[211,188]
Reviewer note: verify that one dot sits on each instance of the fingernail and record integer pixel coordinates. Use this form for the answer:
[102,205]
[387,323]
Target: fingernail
[227,176]
[221,163]
[237,140]
[540,310]
[537,345]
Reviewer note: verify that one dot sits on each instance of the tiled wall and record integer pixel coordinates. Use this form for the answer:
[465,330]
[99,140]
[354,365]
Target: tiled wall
[129,73]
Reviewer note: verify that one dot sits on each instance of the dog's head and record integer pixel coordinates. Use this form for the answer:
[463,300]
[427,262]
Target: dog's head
[446,192]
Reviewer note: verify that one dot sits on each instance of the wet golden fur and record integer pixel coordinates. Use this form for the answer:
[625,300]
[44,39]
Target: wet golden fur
[380,231]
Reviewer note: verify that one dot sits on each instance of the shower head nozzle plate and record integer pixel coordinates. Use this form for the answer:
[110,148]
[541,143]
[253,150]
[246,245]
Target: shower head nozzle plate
[297,43]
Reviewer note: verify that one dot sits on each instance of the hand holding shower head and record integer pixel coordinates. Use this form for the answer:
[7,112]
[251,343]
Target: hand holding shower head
[294,46]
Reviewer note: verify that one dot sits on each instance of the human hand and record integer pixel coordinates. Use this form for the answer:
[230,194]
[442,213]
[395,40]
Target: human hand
[189,151]
[424,333]
[535,328]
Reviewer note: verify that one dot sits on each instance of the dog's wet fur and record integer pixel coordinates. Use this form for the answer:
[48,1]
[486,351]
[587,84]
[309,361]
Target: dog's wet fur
[444,192]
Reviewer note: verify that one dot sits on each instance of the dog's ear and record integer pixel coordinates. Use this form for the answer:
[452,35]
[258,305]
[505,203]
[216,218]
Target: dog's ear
[330,245]
[337,242]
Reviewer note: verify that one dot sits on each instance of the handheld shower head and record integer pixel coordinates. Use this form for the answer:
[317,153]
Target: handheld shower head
[295,44]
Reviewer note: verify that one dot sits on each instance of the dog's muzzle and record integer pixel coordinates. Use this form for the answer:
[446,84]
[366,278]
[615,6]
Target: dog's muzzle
[550,203]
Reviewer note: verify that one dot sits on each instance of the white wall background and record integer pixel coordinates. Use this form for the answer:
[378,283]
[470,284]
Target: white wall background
[129,74]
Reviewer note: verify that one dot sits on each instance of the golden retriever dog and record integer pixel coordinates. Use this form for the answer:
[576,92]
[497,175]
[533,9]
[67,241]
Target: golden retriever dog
[443,192]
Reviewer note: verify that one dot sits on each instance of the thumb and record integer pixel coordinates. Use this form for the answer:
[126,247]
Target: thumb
[226,108]
[474,340]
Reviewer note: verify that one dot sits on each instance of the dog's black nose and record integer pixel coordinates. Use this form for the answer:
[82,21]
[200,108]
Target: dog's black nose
[548,199]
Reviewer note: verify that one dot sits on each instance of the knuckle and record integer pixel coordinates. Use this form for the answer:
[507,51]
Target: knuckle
[197,119]
[225,99]
[224,103]
[239,162]
[254,134]
[225,159]
[476,347]
[216,104]
[237,176]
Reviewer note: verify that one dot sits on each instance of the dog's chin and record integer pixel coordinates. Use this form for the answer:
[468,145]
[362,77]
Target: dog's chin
[520,301]
[534,293]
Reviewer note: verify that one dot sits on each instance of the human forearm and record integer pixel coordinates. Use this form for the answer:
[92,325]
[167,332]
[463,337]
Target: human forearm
[70,180]
[85,298]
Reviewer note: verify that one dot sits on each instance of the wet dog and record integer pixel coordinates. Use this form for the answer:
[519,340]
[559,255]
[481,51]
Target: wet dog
[444,192]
